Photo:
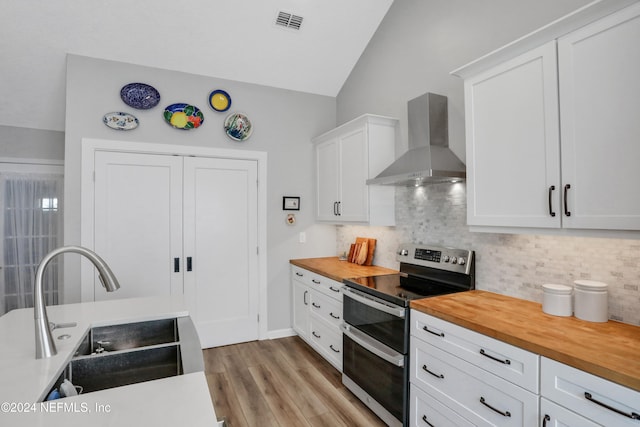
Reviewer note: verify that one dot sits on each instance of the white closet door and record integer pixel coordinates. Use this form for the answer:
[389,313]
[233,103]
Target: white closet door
[220,237]
[138,222]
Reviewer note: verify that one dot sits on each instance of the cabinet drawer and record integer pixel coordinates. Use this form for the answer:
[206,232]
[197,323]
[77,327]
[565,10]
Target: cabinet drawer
[470,391]
[556,416]
[514,364]
[327,341]
[323,284]
[427,411]
[573,389]
[327,308]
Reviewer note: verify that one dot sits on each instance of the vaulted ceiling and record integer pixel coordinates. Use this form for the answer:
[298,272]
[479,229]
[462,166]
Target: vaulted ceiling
[230,39]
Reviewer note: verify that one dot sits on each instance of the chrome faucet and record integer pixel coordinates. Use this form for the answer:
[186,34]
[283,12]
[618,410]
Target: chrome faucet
[45,347]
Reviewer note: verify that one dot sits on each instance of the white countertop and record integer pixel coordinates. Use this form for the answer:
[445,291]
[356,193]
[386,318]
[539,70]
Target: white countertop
[183,400]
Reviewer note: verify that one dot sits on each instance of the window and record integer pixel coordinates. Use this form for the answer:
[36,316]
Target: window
[31,220]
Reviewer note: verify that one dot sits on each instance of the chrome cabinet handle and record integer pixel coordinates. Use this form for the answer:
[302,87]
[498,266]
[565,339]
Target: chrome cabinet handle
[315,335]
[504,362]
[438,334]
[424,418]
[331,347]
[545,419]
[315,305]
[633,415]
[424,368]
[334,316]
[566,203]
[551,190]
[504,414]
[304,297]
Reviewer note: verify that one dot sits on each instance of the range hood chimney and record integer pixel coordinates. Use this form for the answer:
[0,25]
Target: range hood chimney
[429,159]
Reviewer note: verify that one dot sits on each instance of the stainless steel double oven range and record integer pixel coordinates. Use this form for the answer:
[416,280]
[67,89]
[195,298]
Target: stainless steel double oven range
[377,323]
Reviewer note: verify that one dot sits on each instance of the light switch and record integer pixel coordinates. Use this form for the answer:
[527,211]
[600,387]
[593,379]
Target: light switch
[302,237]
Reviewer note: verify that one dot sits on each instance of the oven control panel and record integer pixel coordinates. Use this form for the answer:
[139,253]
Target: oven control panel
[445,258]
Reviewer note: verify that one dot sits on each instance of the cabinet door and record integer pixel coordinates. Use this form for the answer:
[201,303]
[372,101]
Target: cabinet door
[301,300]
[220,247]
[513,143]
[327,176]
[138,224]
[354,193]
[556,416]
[599,71]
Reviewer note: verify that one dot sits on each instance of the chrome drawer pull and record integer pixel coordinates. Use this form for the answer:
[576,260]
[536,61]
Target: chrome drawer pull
[438,334]
[424,367]
[504,414]
[334,289]
[335,317]
[315,305]
[633,415]
[424,418]
[504,362]
[331,347]
[317,282]
[314,334]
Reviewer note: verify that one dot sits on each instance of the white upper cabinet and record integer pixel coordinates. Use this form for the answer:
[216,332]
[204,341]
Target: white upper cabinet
[345,158]
[513,147]
[599,67]
[552,134]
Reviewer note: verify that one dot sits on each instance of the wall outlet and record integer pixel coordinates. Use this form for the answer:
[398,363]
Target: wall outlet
[302,237]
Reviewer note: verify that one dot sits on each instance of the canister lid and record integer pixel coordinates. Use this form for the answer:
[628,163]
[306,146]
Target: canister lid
[590,285]
[557,289]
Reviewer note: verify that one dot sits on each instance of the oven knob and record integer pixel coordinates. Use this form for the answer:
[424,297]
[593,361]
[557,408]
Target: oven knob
[446,258]
[461,261]
[403,252]
[454,260]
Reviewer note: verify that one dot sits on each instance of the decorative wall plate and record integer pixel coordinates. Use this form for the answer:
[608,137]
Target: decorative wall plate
[238,127]
[140,96]
[120,121]
[183,116]
[219,100]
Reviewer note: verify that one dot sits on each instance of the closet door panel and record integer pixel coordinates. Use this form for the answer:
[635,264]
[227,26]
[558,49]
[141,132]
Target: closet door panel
[220,238]
[138,222]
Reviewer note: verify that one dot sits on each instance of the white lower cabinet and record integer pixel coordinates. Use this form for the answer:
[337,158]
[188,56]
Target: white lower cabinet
[317,313]
[465,378]
[583,399]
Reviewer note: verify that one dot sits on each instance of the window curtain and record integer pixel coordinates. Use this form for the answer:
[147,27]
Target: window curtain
[32,226]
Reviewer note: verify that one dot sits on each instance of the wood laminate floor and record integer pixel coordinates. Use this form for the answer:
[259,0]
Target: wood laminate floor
[281,383]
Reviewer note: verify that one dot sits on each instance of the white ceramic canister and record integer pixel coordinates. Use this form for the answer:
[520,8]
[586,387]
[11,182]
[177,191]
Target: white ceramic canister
[591,301]
[557,300]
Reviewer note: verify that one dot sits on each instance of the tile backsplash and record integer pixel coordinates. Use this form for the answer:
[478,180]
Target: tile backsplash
[510,264]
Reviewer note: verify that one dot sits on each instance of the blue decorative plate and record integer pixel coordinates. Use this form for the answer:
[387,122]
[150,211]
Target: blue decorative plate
[140,96]
[238,127]
[183,116]
[120,121]
[219,100]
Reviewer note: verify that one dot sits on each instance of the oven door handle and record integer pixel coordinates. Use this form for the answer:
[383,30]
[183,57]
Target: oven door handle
[374,302]
[368,343]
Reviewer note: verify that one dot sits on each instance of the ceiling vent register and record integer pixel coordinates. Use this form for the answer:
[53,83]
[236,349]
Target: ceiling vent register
[289,20]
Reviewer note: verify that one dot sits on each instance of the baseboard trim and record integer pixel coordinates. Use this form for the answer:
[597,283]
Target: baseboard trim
[281,333]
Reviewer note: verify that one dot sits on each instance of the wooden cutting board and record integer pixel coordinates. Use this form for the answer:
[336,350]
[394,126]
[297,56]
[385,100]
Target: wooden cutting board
[371,247]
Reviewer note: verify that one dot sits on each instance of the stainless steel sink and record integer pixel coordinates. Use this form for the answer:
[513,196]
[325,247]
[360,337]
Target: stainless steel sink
[118,355]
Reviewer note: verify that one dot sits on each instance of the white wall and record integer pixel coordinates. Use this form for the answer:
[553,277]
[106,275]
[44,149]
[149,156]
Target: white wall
[25,143]
[284,122]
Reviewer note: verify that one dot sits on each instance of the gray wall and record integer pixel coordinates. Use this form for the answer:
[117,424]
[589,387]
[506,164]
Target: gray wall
[284,122]
[24,143]
[413,51]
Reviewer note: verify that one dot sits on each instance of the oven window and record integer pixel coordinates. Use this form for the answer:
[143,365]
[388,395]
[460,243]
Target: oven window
[379,378]
[384,327]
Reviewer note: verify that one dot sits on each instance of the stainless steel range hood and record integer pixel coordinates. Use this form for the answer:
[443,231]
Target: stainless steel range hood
[429,159]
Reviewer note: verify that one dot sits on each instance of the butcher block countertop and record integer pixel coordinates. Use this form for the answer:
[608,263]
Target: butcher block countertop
[609,350]
[335,269]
